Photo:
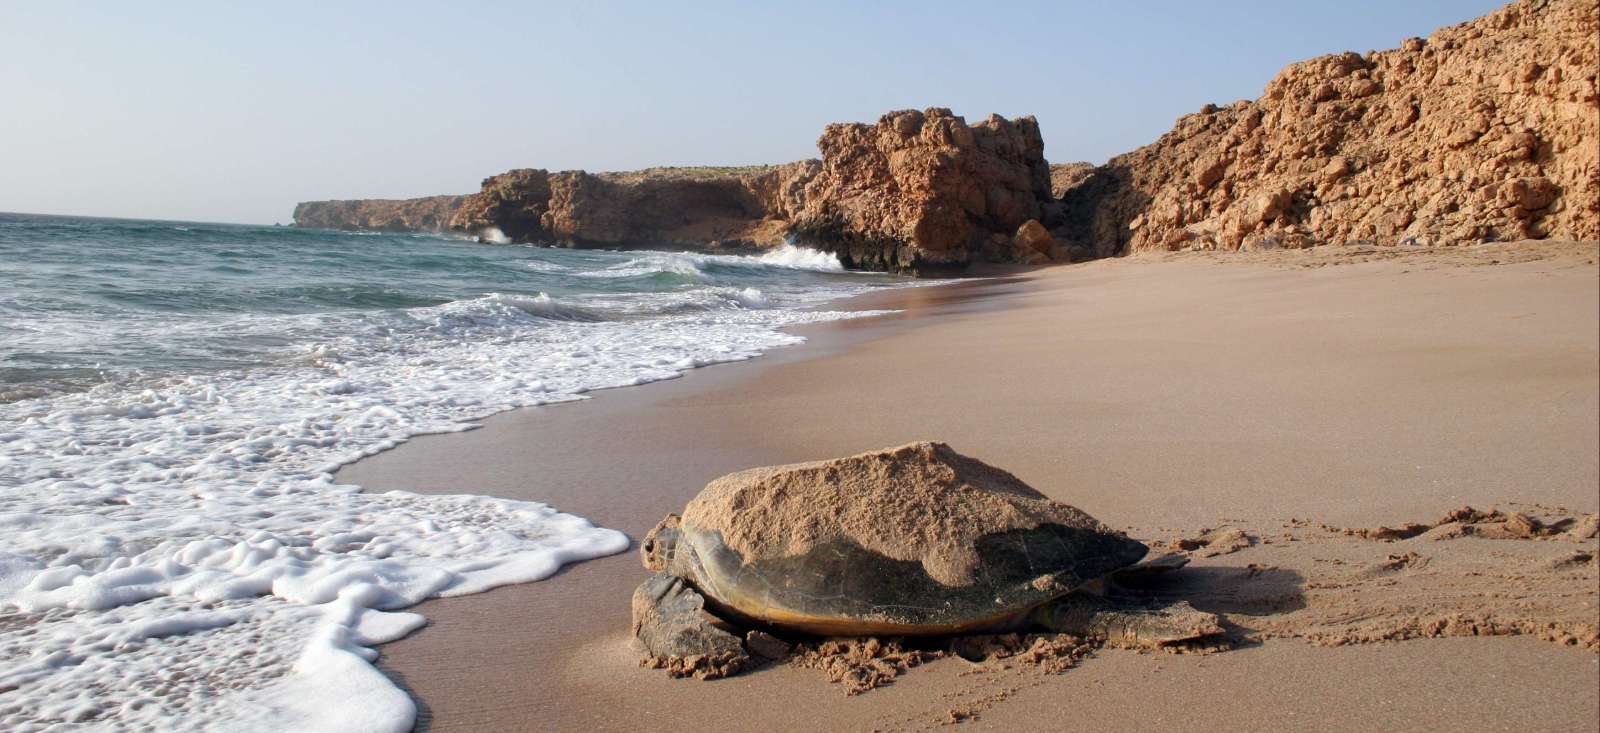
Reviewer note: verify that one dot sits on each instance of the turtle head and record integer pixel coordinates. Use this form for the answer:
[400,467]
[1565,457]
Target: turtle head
[658,547]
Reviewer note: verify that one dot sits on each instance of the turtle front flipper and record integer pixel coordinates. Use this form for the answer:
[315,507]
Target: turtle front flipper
[1083,614]
[672,631]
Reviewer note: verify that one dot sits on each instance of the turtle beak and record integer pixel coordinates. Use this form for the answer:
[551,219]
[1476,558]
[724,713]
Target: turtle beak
[657,549]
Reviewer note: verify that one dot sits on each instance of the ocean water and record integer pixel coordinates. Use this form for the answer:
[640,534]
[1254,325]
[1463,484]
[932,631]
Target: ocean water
[174,551]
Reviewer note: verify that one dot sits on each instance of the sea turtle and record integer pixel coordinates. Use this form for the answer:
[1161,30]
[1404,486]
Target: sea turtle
[916,540]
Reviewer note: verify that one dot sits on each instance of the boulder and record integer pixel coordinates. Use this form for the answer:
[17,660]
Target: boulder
[922,191]
[1032,243]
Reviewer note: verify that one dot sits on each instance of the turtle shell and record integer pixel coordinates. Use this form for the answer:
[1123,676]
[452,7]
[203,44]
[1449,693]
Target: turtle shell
[906,541]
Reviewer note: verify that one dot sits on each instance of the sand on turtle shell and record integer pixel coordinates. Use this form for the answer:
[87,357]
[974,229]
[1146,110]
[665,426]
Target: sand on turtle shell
[919,502]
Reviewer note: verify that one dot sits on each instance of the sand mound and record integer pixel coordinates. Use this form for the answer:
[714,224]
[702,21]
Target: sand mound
[920,502]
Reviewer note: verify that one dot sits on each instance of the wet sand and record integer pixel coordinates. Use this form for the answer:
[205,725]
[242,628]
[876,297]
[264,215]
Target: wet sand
[1162,395]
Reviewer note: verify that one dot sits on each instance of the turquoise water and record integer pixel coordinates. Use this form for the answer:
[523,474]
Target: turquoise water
[85,301]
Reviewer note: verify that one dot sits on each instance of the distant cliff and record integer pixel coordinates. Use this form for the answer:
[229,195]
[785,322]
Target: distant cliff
[428,214]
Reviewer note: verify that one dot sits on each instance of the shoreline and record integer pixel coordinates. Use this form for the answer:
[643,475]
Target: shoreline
[916,305]
[553,653]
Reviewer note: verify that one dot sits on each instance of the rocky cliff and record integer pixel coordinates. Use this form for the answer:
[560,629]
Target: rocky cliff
[1487,130]
[923,191]
[915,192]
[714,208]
[429,214]
[1484,131]
[1066,176]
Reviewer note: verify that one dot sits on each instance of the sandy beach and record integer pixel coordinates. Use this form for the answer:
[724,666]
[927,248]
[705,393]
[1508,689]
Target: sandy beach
[1286,395]
[802,367]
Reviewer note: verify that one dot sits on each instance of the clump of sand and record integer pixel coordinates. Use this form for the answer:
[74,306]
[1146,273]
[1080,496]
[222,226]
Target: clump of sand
[864,664]
[919,502]
[861,664]
[1214,542]
[1047,653]
[699,666]
[869,663]
[1492,524]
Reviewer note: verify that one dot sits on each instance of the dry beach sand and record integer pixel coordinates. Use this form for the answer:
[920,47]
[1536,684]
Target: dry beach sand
[1304,424]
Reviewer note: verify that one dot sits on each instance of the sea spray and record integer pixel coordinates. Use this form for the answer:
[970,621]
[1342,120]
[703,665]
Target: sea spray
[789,255]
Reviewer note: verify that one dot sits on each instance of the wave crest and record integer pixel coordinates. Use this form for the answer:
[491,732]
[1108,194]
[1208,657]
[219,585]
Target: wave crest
[542,306]
[682,263]
[802,258]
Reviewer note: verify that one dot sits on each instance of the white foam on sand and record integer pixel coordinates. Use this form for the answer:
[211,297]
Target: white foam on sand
[175,554]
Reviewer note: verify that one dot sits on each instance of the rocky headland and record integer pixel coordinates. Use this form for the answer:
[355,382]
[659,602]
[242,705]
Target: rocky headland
[1486,131]
[427,214]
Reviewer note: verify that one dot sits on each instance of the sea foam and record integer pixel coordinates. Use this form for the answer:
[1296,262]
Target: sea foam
[802,258]
[692,264]
[175,553]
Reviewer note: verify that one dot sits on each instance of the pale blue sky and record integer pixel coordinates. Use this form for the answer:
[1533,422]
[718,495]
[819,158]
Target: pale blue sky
[232,112]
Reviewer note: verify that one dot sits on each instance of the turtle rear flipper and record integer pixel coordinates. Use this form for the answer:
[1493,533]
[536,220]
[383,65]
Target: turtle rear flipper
[1082,614]
[672,630]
